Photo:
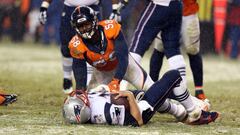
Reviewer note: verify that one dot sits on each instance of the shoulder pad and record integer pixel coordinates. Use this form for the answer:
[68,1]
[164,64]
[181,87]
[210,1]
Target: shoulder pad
[76,47]
[111,28]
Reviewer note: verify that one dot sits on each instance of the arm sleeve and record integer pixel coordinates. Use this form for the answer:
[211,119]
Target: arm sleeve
[80,73]
[121,52]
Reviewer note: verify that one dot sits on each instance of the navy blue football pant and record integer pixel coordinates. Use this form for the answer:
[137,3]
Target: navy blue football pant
[159,92]
[156,18]
[66,30]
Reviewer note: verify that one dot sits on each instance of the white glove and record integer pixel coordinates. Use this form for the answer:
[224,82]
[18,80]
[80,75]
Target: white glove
[116,9]
[43,12]
[115,16]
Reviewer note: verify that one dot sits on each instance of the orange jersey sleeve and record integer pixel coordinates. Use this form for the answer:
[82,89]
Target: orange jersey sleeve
[190,7]
[77,48]
[111,28]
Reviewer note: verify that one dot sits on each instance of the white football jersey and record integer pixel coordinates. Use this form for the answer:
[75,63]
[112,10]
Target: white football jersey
[103,112]
[75,3]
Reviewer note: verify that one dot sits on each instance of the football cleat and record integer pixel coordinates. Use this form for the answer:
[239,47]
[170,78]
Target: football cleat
[203,104]
[205,118]
[67,86]
[200,94]
[8,99]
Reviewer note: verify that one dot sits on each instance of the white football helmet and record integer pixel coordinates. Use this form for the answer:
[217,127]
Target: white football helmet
[75,111]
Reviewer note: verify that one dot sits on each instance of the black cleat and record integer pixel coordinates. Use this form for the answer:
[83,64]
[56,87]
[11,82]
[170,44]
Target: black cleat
[67,86]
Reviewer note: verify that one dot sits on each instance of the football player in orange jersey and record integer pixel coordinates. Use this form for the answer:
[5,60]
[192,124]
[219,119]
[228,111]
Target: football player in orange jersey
[6,99]
[190,40]
[67,32]
[102,45]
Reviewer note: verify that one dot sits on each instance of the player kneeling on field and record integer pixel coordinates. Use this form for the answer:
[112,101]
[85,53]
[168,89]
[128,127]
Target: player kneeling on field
[102,107]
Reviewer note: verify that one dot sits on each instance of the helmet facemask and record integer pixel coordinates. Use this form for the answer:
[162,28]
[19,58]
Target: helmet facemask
[86,29]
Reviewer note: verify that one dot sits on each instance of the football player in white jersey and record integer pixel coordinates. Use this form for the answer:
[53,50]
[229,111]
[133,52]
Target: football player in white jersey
[99,108]
[190,40]
[67,32]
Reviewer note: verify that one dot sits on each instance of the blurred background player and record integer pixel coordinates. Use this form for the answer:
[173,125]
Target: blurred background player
[6,99]
[17,16]
[190,39]
[234,24]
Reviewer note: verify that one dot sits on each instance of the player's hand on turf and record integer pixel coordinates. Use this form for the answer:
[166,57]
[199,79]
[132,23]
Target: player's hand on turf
[114,85]
[43,15]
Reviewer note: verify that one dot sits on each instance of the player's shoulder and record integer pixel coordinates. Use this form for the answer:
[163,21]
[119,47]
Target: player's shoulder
[111,28]
[76,46]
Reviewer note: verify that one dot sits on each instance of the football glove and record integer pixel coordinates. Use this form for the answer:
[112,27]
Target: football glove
[81,94]
[114,85]
[116,9]
[43,12]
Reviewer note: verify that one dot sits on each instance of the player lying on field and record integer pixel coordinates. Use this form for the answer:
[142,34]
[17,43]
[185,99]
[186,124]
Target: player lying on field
[6,99]
[101,107]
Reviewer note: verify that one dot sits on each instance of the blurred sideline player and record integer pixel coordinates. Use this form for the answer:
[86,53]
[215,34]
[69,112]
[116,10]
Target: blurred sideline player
[100,107]
[164,16]
[190,32]
[6,99]
[102,45]
[66,33]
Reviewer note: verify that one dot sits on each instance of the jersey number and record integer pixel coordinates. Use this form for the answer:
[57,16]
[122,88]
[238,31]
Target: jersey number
[109,24]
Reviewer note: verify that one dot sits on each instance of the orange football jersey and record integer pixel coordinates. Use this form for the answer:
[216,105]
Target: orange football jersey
[105,61]
[190,7]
